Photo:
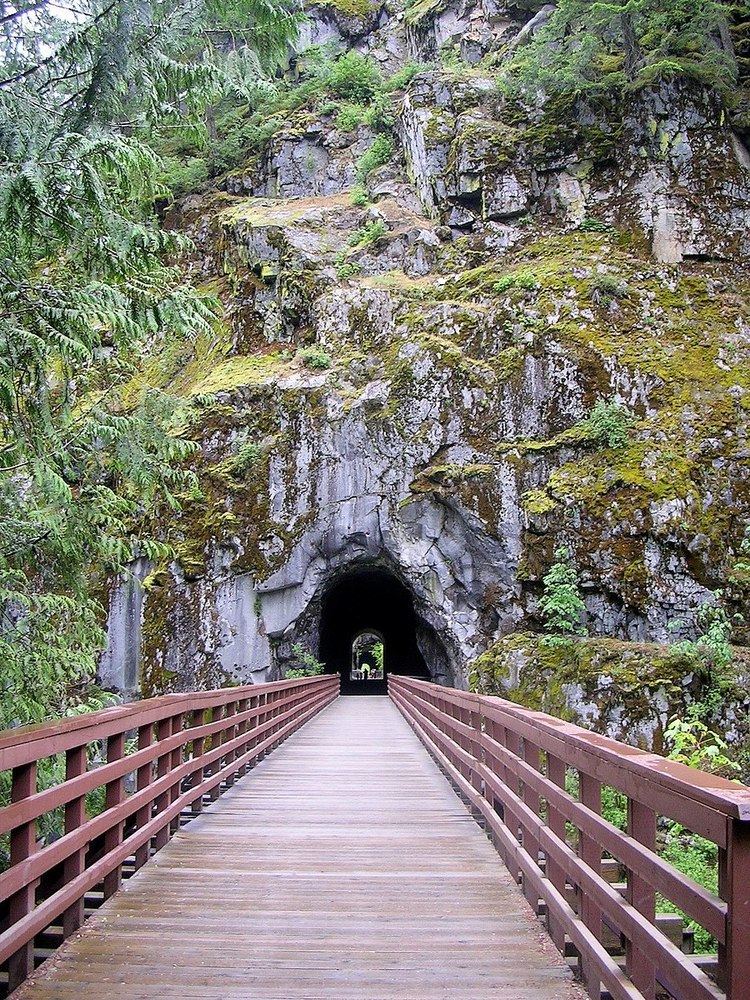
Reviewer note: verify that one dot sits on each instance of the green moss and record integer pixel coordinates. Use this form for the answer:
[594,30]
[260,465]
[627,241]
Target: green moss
[443,477]
[352,8]
[626,682]
[241,370]
[421,9]
[263,212]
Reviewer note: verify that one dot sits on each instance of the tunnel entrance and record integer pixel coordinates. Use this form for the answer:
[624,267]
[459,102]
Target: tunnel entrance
[368,629]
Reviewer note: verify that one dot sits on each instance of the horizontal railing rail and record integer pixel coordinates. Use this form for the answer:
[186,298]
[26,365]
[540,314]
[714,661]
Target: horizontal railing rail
[148,762]
[537,783]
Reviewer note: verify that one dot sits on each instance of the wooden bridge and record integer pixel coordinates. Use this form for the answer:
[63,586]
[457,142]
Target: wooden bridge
[345,866]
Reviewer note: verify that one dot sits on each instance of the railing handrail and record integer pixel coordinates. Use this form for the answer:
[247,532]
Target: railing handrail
[511,765]
[135,712]
[731,798]
[178,758]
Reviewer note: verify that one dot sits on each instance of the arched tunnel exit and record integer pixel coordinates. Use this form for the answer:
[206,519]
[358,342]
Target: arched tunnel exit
[368,629]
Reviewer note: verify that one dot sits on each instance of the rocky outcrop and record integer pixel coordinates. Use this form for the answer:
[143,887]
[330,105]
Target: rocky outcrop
[405,375]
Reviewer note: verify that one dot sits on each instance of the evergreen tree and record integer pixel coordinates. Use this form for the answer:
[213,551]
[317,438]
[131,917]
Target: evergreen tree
[596,46]
[87,279]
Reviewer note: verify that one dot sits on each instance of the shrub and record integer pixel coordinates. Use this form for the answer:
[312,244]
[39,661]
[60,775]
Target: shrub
[521,279]
[309,666]
[608,287]
[403,77]
[368,234]
[350,116]
[691,742]
[247,457]
[376,156]
[381,115]
[359,196]
[181,177]
[561,606]
[315,357]
[712,645]
[609,424]
[347,269]
[694,744]
[594,226]
[354,77]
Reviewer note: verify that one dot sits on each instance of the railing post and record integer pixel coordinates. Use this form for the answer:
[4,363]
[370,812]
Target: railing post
[143,779]
[591,853]
[734,888]
[262,717]
[242,707]
[113,795]
[228,736]
[163,732]
[22,845]
[556,773]
[174,762]
[75,816]
[642,827]
[532,756]
[216,740]
[196,778]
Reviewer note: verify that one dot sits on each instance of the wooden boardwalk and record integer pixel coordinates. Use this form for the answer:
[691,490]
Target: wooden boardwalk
[343,867]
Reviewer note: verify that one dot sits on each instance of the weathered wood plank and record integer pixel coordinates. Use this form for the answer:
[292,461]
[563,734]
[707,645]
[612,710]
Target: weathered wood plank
[342,867]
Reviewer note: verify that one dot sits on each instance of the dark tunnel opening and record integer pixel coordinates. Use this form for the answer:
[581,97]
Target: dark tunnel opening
[369,601]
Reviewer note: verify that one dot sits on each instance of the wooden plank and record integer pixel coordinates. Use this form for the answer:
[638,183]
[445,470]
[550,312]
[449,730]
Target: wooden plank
[342,867]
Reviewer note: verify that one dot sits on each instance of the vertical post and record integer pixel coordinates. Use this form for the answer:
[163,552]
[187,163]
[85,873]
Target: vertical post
[216,740]
[591,854]
[196,778]
[262,716]
[555,872]
[642,827]
[531,756]
[163,732]
[75,816]
[143,778]
[252,725]
[174,762]
[734,888]
[242,707]
[113,795]
[22,845]
[274,715]
[231,710]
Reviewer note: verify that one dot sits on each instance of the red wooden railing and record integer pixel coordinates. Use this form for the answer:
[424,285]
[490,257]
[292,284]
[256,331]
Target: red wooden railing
[163,757]
[511,765]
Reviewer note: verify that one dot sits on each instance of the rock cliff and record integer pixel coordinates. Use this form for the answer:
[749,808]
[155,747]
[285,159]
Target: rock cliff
[426,294]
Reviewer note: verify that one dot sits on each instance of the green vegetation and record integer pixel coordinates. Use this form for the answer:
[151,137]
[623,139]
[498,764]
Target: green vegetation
[626,44]
[354,77]
[359,197]
[309,665]
[519,279]
[609,423]
[401,79]
[368,234]
[315,357]
[87,280]
[561,606]
[380,153]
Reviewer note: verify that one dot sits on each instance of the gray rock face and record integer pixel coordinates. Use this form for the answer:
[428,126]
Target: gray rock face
[416,396]
[120,664]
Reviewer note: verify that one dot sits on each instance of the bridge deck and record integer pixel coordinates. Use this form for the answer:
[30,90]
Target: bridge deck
[343,867]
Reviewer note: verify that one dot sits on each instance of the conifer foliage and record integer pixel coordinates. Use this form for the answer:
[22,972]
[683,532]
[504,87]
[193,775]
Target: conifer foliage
[596,46]
[87,280]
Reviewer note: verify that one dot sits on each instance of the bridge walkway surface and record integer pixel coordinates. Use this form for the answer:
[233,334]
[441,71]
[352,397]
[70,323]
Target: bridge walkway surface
[343,867]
